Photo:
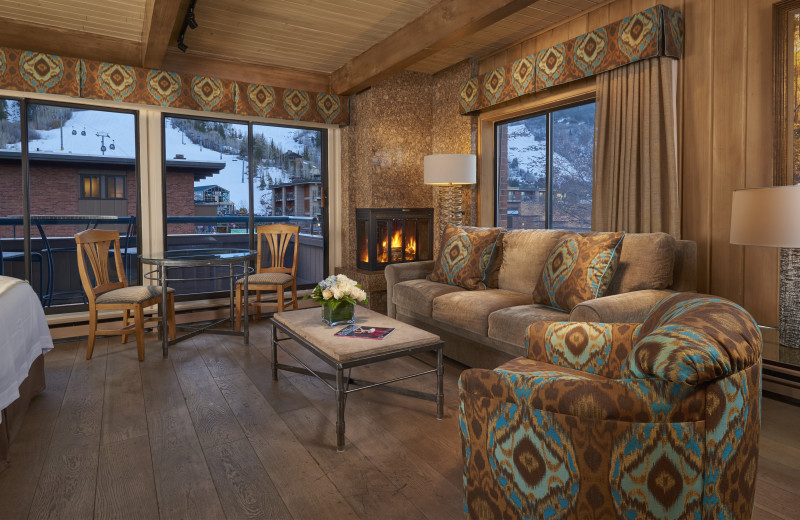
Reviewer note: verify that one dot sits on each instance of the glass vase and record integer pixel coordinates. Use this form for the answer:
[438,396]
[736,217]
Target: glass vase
[343,313]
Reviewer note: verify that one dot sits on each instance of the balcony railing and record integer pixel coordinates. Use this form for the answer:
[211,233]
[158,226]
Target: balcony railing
[64,262]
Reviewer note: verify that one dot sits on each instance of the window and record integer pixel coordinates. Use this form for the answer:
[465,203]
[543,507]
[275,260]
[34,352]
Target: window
[544,169]
[115,187]
[90,186]
[112,187]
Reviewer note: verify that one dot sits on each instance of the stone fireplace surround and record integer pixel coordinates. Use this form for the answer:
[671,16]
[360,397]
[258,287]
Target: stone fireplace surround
[393,126]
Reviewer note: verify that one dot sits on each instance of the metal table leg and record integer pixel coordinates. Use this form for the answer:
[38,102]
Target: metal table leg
[246,304]
[274,353]
[439,382]
[340,402]
[162,274]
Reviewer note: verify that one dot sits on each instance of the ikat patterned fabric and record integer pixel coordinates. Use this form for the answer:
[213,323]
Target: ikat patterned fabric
[556,435]
[39,72]
[657,31]
[578,269]
[692,339]
[466,256]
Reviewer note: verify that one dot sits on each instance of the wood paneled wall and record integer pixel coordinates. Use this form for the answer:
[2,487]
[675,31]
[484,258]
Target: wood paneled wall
[725,131]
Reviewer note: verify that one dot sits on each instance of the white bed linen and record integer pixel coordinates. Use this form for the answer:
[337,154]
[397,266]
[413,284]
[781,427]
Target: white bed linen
[24,335]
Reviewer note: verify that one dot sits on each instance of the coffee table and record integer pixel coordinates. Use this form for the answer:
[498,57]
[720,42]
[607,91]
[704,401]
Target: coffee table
[343,353]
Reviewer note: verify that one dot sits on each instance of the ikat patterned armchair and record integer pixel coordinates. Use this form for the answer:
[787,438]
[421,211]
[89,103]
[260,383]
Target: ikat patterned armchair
[652,420]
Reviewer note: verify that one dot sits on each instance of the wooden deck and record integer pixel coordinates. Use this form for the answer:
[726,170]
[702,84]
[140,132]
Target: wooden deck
[208,434]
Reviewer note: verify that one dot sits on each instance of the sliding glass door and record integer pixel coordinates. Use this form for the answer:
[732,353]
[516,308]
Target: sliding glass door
[80,168]
[222,179]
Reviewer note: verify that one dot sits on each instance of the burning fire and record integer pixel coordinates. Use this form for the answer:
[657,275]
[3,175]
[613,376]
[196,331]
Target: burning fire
[396,249]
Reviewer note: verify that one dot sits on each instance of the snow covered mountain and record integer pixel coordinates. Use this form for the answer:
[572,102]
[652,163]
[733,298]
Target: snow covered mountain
[81,135]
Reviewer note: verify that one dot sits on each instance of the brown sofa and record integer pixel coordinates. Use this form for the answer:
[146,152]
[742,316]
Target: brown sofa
[487,328]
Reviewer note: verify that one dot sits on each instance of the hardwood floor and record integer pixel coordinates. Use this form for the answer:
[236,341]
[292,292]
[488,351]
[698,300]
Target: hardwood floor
[208,434]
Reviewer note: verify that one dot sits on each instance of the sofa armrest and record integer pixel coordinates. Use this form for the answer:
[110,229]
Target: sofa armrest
[595,348]
[396,273]
[630,307]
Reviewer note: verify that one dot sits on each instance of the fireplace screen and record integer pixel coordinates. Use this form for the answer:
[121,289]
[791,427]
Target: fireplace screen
[389,236]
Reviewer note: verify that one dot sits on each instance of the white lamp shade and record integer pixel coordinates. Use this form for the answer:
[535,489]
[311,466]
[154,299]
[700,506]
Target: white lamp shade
[766,217]
[450,168]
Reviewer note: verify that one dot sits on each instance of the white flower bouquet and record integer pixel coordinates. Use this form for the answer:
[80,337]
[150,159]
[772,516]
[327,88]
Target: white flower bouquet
[338,295]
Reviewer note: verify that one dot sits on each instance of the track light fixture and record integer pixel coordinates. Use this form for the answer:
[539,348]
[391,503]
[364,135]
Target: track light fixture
[188,21]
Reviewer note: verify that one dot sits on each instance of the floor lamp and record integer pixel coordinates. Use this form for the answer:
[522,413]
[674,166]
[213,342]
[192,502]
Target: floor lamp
[770,217]
[449,172]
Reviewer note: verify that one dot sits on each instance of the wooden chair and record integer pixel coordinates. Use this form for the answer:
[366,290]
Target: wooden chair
[277,277]
[104,294]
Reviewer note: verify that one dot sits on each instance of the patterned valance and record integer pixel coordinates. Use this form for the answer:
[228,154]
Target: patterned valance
[37,72]
[657,31]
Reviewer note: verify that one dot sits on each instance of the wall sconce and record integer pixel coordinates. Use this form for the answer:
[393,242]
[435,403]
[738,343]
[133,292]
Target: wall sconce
[449,172]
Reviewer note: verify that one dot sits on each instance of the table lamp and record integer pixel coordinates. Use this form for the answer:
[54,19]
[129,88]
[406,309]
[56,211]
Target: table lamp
[766,217]
[769,217]
[450,171]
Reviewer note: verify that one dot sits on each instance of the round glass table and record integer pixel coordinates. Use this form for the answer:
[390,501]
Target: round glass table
[238,262]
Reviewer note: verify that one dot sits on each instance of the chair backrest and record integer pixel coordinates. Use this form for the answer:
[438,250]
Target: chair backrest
[94,244]
[278,238]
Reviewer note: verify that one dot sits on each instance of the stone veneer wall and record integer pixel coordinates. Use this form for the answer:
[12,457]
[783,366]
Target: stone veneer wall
[393,126]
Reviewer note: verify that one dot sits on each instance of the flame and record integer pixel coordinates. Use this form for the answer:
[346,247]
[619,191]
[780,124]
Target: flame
[411,248]
[364,255]
[397,245]
[397,240]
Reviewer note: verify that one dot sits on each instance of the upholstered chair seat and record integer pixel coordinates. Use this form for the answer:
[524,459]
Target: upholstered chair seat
[652,420]
[132,294]
[267,278]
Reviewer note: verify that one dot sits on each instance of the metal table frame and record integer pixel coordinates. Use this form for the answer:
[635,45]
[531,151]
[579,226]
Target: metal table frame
[343,382]
[161,271]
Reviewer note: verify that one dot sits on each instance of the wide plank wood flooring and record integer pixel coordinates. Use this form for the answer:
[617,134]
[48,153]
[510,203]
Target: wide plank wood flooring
[208,434]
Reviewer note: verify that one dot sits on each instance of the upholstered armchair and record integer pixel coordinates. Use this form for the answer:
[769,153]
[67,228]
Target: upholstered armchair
[652,420]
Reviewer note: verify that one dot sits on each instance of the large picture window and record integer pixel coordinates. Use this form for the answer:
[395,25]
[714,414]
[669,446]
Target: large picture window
[223,179]
[544,169]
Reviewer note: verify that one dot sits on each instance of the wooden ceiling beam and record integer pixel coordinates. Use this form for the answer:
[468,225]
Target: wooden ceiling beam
[193,62]
[78,44]
[441,26]
[159,19]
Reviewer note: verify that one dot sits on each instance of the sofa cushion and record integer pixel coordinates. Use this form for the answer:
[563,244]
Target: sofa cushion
[471,309]
[646,261]
[510,324]
[418,295]
[466,257]
[578,269]
[524,254]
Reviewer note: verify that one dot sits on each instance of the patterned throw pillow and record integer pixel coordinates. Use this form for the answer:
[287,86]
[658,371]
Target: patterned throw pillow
[466,256]
[578,269]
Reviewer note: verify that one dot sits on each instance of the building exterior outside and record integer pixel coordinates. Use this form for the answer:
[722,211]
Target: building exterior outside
[300,197]
[92,185]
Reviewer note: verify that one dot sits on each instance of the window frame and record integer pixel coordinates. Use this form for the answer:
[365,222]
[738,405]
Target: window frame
[539,112]
[251,124]
[24,102]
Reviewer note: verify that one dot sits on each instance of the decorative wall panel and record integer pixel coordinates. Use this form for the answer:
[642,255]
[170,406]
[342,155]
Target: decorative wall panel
[37,72]
[657,31]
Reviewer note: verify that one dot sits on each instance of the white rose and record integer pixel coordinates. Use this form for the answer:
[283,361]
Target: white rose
[337,293]
[326,294]
[362,295]
[341,278]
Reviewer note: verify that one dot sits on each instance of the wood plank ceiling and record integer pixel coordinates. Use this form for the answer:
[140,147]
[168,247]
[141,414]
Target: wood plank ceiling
[327,45]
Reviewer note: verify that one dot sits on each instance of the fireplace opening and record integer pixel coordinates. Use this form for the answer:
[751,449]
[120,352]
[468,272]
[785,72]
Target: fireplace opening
[389,236]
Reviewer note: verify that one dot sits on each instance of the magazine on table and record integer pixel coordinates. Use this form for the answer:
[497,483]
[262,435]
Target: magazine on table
[364,331]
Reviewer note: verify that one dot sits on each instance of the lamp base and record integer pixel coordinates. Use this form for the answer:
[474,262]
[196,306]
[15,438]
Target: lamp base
[451,197]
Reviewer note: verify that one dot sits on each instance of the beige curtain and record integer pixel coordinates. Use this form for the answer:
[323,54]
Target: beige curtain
[636,183]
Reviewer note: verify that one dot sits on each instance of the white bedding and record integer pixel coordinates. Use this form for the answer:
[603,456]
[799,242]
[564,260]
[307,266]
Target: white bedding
[23,336]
